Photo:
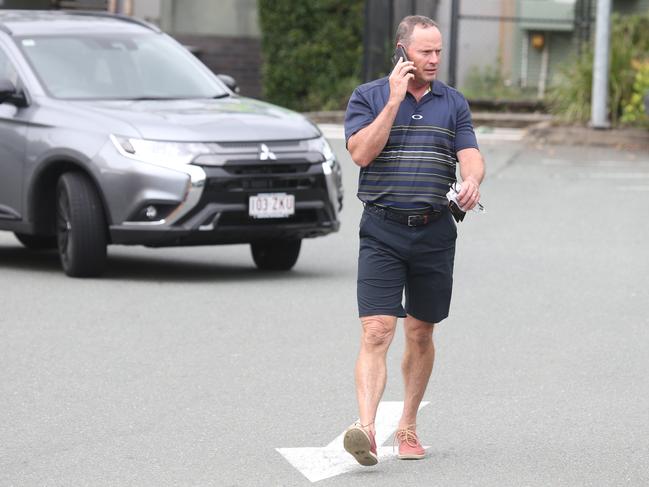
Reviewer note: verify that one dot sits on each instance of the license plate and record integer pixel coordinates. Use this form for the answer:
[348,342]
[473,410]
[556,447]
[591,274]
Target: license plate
[271,205]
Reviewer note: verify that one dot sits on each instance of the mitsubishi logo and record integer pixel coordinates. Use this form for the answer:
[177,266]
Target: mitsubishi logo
[266,154]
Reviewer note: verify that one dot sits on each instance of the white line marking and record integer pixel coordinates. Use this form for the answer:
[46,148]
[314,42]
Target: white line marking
[319,463]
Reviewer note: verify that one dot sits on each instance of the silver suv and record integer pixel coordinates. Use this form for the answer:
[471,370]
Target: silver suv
[113,133]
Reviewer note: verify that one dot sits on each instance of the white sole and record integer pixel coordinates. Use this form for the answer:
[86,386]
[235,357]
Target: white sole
[411,457]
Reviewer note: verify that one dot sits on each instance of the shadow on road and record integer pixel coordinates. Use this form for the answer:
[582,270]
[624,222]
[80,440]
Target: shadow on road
[29,260]
[152,269]
[159,269]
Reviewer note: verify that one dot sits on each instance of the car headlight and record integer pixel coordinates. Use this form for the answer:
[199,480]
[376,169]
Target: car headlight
[322,146]
[161,153]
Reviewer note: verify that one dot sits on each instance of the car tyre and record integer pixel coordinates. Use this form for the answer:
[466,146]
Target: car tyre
[36,242]
[276,255]
[80,226]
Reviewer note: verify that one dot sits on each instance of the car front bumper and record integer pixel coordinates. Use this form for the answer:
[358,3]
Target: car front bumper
[214,208]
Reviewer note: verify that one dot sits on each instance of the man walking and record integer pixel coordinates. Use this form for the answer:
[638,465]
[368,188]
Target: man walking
[407,132]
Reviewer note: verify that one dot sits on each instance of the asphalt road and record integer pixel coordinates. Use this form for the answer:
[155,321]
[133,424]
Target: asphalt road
[188,367]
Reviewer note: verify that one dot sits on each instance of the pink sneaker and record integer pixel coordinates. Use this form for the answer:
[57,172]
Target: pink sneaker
[361,445]
[409,446]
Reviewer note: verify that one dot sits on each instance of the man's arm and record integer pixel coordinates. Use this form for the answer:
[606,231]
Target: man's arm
[472,172]
[366,144]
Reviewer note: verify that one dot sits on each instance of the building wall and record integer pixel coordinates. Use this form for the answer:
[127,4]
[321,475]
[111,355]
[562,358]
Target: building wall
[479,40]
[563,45]
[148,10]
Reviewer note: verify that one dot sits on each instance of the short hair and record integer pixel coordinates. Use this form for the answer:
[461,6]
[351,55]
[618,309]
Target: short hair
[408,24]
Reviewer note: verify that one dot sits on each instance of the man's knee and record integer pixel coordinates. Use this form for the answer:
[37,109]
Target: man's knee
[378,330]
[418,332]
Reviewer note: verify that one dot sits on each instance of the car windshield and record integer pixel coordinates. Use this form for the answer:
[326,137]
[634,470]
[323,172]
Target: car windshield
[146,66]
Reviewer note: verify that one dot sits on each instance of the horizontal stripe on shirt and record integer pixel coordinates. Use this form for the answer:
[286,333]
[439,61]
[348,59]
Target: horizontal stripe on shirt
[416,166]
[423,128]
[418,163]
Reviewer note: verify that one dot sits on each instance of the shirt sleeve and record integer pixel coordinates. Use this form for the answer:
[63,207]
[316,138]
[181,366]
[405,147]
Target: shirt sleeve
[464,134]
[359,114]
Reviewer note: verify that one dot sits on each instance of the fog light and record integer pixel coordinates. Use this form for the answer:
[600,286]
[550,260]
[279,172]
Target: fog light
[151,212]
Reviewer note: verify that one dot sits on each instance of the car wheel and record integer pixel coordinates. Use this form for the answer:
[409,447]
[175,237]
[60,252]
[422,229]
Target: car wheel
[80,226]
[276,255]
[36,242]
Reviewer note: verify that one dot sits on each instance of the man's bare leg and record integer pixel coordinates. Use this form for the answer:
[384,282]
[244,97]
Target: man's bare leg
[371,373]
[417,366]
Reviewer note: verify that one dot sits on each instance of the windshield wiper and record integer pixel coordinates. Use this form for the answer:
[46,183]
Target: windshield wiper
[145,98]
[149,98]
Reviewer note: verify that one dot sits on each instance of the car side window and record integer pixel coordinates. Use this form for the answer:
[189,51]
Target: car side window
[7,69]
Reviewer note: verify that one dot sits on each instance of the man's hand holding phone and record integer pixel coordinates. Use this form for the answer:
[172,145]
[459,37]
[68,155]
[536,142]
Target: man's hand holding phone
[401,75]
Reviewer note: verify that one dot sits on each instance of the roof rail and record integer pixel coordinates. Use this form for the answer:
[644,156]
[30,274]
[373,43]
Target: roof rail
[5,29]
[125,18]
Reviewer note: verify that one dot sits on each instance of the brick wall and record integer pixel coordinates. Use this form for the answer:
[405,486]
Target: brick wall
[237,56]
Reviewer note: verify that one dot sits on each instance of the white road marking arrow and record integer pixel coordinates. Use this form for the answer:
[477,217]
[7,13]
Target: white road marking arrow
[321,463]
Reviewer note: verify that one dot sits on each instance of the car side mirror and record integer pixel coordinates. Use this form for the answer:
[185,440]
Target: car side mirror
[9,93]
[229,81]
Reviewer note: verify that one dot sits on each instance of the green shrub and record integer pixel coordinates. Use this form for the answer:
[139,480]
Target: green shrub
[634,110]
[570,97]
[312,52]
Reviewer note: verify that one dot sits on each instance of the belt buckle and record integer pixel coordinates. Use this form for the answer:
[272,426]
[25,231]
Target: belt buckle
[416,220]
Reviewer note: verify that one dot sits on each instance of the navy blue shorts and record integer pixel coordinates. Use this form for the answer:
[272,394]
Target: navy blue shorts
[394,258]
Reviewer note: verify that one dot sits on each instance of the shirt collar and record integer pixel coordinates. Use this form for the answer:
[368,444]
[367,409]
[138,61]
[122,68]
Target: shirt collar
[436,88]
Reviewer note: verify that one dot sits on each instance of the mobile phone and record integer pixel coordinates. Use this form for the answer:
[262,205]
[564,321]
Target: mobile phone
[399,52]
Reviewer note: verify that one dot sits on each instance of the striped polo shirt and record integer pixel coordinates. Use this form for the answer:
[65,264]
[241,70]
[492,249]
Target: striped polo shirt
[418,164]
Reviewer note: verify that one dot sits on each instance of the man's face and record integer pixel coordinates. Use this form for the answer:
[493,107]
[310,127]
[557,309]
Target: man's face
[425,49]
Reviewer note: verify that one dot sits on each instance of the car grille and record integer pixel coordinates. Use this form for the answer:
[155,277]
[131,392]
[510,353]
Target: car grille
[263,184]
[253,169]
[254,177]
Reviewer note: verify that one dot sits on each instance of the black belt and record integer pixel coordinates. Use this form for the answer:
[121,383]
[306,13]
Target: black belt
[410,219]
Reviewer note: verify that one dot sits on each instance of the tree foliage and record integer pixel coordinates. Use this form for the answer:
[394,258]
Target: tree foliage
[312,52]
